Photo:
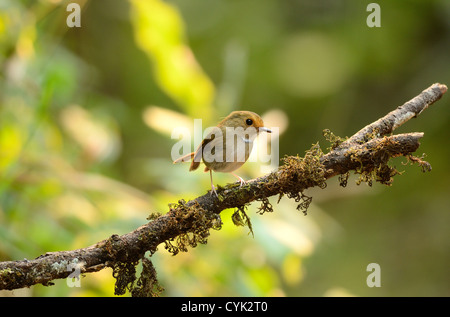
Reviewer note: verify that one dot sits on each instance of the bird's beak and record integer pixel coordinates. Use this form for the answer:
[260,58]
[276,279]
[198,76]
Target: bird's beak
[264,129]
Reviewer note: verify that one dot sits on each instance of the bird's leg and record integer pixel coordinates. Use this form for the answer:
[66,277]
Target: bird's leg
[240,179]
[213,189]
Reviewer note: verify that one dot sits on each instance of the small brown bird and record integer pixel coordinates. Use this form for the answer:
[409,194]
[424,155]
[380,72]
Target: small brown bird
[228,146]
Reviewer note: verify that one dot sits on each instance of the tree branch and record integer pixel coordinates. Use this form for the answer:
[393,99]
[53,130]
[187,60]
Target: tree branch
[367,153]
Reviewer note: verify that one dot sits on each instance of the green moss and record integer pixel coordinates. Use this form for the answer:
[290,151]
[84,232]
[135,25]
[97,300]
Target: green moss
[6,272]
[154,216]
[377,168]
[193,223]
[266,206]
[299,173]
[147,285]
[240,218]
[343,179]
[125,275]
[333,139]
[424,165]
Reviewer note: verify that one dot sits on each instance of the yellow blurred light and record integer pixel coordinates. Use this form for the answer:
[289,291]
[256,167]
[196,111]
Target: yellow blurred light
[165,120]
[276,118]
[71,204]
[291,237]
[25,43]
[159,31]
[3,23]
[292,269]
[338,292]
[11,142]
[93,136]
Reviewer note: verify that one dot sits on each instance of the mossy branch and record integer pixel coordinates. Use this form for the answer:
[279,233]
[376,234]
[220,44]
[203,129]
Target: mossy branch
[367,153]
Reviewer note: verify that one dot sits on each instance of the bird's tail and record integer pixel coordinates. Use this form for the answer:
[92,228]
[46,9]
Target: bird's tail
[184,158]
[194,156]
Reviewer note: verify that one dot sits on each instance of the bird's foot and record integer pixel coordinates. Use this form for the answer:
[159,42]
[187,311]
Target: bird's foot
[241,180]
[213,191]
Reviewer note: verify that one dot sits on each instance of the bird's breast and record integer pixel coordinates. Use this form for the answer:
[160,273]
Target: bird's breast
[228,154]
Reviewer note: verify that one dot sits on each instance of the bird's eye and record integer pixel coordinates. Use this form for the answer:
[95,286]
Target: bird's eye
[249,121]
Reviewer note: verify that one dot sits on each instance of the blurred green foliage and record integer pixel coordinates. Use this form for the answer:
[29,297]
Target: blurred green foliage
[86,116]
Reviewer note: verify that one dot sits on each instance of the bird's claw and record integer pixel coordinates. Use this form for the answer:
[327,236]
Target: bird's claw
[213,190]
[242,181]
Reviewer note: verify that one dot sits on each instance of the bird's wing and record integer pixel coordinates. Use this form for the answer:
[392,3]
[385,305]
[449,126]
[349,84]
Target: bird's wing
[198,154]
